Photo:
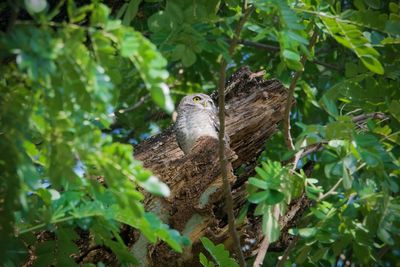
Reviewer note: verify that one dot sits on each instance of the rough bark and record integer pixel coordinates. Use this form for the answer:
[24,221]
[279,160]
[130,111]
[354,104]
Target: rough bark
[254,108]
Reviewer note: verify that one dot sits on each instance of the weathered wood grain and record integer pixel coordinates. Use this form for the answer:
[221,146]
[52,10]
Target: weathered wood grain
[254,108]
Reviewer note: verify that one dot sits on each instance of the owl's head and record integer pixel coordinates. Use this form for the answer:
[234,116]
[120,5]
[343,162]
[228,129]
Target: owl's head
[196,101]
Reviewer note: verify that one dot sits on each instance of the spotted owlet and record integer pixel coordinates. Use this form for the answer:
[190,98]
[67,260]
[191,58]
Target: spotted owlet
[197,116]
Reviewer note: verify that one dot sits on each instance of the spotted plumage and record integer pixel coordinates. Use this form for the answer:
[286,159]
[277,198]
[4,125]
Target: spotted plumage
[197,116]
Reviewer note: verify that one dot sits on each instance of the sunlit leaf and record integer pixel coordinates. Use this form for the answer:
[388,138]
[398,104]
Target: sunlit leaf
[219,253]
[155,186]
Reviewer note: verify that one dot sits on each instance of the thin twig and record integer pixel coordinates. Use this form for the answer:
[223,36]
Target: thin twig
[261,252]
[296,76]
[56,10]
[327,65]
[239,27]
[41,225]
[273,48]
[285,255]
[244,6]
[331,191]
[222,157]
[353,111]
[305,151]
[136,105]
[297,157]
[364,117]
[313,148]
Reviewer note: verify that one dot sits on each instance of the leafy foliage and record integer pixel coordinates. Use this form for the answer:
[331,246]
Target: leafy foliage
[80,83]
[54,105]
[275,185]
[350,36]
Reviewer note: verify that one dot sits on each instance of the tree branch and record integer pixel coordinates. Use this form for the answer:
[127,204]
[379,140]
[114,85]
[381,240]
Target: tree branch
[331,191]
[221,145]
[285,255]
[262,252]
[273,48]
[296,76]
[365,116]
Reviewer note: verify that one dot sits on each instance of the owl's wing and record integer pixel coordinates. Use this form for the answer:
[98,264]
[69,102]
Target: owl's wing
[215,122]
[178,135]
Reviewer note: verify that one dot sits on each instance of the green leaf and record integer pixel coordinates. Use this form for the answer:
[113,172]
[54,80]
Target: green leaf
[219,253]
[258,183]
[274,197]
[392,26]
[376,4]
[66,246]
[329,105]
[242,214]
[45,253]
[304,252]
[270,226]
[174,11]
[258,197]
[313,192]
[372,63]
[291,55]
[100,15]
[307,232]
[44,195]
[261,208]
[120,250]
[263,174]
[161,96]
[366,140]
[347,178]
[371,159]
[295,36]
[318,255]
[188,57]
[131,11]
[170,236]
[340,129]
[204,261]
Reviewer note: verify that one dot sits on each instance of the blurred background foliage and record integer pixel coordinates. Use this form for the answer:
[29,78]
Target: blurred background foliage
[81,82]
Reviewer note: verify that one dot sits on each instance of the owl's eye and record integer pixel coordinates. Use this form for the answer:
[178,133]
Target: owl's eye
[196,99]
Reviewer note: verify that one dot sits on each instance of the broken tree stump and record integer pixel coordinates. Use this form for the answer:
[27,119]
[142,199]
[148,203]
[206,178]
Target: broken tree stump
[254,107]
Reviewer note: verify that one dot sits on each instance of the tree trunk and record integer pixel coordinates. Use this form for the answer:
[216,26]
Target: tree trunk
[254,107]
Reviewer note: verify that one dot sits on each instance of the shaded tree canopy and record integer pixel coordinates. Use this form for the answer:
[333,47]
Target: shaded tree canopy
[90,171]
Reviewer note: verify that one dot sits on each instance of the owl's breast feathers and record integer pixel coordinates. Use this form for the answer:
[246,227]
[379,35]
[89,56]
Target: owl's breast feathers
[192,124]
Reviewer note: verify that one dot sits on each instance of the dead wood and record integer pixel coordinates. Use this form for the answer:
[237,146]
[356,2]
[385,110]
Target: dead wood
[254,107]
